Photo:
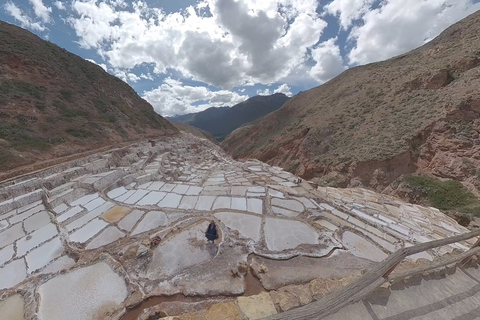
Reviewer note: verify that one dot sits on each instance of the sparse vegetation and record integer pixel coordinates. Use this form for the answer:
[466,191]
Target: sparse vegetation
[446,195]
[79,133]
[67,95]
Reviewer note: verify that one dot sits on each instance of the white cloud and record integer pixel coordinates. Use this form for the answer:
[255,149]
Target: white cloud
[173,97]
[348,10]
[102,65]
[241,42]
[264,92]
[129,77]
[285,89]
[41,10]
[24,19]
[397,26]
[328,61]
[60,5]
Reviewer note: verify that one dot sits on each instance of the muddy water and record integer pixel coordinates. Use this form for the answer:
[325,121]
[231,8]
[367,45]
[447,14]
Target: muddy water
[134,312]
[253,286]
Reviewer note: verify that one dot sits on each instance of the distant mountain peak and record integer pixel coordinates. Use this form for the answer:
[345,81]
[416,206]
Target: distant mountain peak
[223,120]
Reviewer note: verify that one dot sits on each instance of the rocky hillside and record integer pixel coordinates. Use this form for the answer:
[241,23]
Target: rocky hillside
[222,121]
[54,103]
[415,113]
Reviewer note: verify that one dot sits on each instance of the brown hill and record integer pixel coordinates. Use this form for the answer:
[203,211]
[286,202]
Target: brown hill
[415,113]
[54,103]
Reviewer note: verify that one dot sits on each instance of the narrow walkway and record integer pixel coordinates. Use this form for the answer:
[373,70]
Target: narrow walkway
[455,297]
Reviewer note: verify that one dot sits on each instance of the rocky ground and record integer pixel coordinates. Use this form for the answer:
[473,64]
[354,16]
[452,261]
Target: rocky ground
[77,240]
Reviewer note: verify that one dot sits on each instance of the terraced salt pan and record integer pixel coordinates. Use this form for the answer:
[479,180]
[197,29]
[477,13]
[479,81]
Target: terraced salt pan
[239,204]
[61,208]
[12,308]
[60,264]
[306,202]
[152,220]
[181,189]
[41,256]
[275,193]
[36,221]
[81,294]
[171,200]
[168,187]
[285,212]
[204,203]
[12,274]
[6,254]
[152,198]
[188,202]
[291,205]
[238,191]
[116,214]
[130,220]
[125,196]
[107,236]
[84,200]
[24,215]
[288,234]
[361,248]
[139,194]
[255,205]
[95,203]
[191,243]
[194,191]
[4,225]
[29,242]
[222,203]
[70,213]
[89,230]
[247,225]
[89,216]
[156,185]
[115,193]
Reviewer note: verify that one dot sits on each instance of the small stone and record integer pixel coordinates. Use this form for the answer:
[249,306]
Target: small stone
[242,268]
[134,299]
[223,311]
[235,273]
[258,306]
[142,251]
[321,287]
[292,296]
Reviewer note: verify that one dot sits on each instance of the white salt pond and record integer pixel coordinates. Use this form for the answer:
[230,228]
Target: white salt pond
[287,234]
[362,248]
[247,225]
[82,294]
[186,249]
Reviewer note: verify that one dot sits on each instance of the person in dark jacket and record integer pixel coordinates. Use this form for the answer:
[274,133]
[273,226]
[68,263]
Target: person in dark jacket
[211,232]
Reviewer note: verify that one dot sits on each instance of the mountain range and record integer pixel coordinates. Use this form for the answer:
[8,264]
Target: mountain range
[222,121]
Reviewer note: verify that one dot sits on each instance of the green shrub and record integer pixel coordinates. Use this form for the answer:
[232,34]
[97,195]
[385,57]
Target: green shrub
[67,95]
[444,195]
[78,133]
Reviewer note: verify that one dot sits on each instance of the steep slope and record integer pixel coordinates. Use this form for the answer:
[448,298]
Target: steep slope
[202,134]
[222,121]
[415,113]
[54,103]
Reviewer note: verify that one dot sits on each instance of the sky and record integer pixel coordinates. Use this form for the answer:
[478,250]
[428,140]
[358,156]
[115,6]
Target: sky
[184,56]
